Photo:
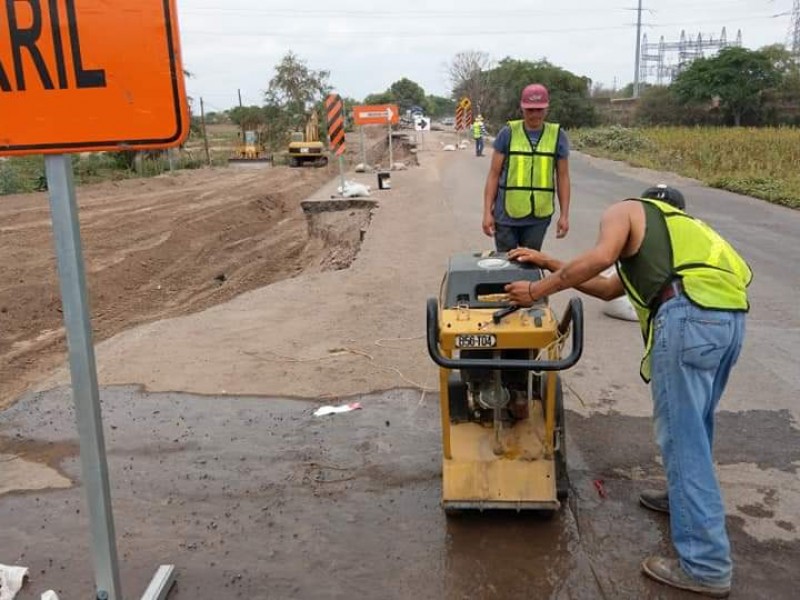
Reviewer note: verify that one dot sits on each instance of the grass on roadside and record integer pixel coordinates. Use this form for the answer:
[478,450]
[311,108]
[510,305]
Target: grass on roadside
[21,174]
[757,162]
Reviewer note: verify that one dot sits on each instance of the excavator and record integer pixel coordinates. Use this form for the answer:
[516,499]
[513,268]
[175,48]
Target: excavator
[305,147]
[250,150]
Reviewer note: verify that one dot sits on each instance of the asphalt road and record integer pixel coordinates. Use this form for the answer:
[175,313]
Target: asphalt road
[251,496]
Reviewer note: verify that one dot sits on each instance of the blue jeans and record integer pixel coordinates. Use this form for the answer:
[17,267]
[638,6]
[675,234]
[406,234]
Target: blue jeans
[478,146]
[693,353]
[508,237]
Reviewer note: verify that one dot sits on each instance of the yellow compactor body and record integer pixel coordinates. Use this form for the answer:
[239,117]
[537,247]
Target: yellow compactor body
[502,413]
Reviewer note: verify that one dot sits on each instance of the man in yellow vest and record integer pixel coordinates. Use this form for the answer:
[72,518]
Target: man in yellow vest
[478,133]
[689,288]
[530,165]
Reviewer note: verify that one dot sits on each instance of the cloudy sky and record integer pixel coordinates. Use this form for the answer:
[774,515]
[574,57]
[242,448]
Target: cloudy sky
[367,45]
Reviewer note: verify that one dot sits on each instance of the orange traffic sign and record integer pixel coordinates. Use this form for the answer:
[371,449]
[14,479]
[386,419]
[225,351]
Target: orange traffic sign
[90,75]
[376,114]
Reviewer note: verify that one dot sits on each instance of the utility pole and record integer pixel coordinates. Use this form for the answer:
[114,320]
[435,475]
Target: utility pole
[638,50]
[242,141]
[205,134]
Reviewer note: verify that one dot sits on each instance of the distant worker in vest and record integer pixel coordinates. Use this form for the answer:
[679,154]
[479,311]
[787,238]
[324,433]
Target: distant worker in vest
[689,288]
[530,165]
[478,133]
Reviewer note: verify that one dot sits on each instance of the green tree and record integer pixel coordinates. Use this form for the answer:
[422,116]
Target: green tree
[570,104]
[407,93]
[658,105]
[439,106]
[782,103]
[293,92]
[736,77]
[248,117]
[382,98]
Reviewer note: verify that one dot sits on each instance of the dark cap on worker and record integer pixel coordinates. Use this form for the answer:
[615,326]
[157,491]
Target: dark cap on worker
[665,193]
[535,95]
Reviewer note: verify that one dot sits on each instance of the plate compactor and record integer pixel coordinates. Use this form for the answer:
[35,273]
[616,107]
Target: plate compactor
[503,436]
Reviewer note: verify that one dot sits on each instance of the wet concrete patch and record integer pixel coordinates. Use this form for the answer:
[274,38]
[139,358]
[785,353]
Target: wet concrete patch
[769,439]
[256,498]
[30,464]
[765,438]
[20,475]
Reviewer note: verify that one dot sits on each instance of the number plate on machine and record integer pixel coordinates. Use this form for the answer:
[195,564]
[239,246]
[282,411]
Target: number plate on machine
[476,341]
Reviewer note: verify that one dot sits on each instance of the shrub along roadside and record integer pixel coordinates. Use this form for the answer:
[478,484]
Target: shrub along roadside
[21,174]
[756,162]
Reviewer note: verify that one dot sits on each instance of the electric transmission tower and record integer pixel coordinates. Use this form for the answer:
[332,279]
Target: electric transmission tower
[794,32]
[664,60]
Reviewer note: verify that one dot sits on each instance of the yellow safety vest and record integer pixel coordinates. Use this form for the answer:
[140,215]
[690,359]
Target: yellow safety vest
[712,273]
[476,129]
[530,177]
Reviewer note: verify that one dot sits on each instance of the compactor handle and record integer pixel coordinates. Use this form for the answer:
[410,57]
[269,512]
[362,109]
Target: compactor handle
[572,315]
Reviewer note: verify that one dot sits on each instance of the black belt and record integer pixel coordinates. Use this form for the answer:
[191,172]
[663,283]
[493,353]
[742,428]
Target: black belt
[672,289]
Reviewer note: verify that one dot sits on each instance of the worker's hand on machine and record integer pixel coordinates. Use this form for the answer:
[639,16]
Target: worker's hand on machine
[527,255]
[521,293]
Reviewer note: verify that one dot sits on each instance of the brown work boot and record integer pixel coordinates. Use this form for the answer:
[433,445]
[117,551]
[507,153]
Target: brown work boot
[655,500]
[668,571]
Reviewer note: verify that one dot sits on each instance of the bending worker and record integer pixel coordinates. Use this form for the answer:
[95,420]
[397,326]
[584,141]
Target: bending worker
[688,286]
[530,164]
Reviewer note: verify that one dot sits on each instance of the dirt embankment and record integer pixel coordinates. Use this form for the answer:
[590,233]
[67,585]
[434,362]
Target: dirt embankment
[154,249]
[167,246]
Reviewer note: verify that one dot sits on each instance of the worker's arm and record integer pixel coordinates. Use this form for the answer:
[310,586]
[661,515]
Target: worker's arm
[564,190]
[599,286]
[490,191]
[615,228]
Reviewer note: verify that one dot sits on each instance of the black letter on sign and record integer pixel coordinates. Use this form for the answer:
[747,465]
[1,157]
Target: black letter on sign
[27,38]
[86,79]
[5,84]
[58,46]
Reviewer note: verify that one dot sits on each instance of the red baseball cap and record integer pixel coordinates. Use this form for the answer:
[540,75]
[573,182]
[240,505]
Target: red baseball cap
[535,95]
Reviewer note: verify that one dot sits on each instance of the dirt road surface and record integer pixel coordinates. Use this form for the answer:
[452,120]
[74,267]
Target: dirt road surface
[218,466]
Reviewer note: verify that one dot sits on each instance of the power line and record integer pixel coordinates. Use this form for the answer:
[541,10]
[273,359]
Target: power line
[315,35]
[448,14]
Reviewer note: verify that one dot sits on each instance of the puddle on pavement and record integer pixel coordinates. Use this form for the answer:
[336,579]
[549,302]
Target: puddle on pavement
[29,465]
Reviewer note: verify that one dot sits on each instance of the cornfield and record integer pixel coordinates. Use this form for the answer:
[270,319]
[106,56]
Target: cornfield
[757,162]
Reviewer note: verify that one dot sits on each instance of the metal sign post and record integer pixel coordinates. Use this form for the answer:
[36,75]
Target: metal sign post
[67,237]
[363,147]
[391,156]
[85,393]
[88,113]
[341,172]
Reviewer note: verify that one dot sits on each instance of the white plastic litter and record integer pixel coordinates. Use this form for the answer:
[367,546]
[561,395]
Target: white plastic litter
[353,189]
[335,410]
[361,168]
[620,308]
[49,595]
[449,148]
[463,144]
[11,580]
[399,166]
